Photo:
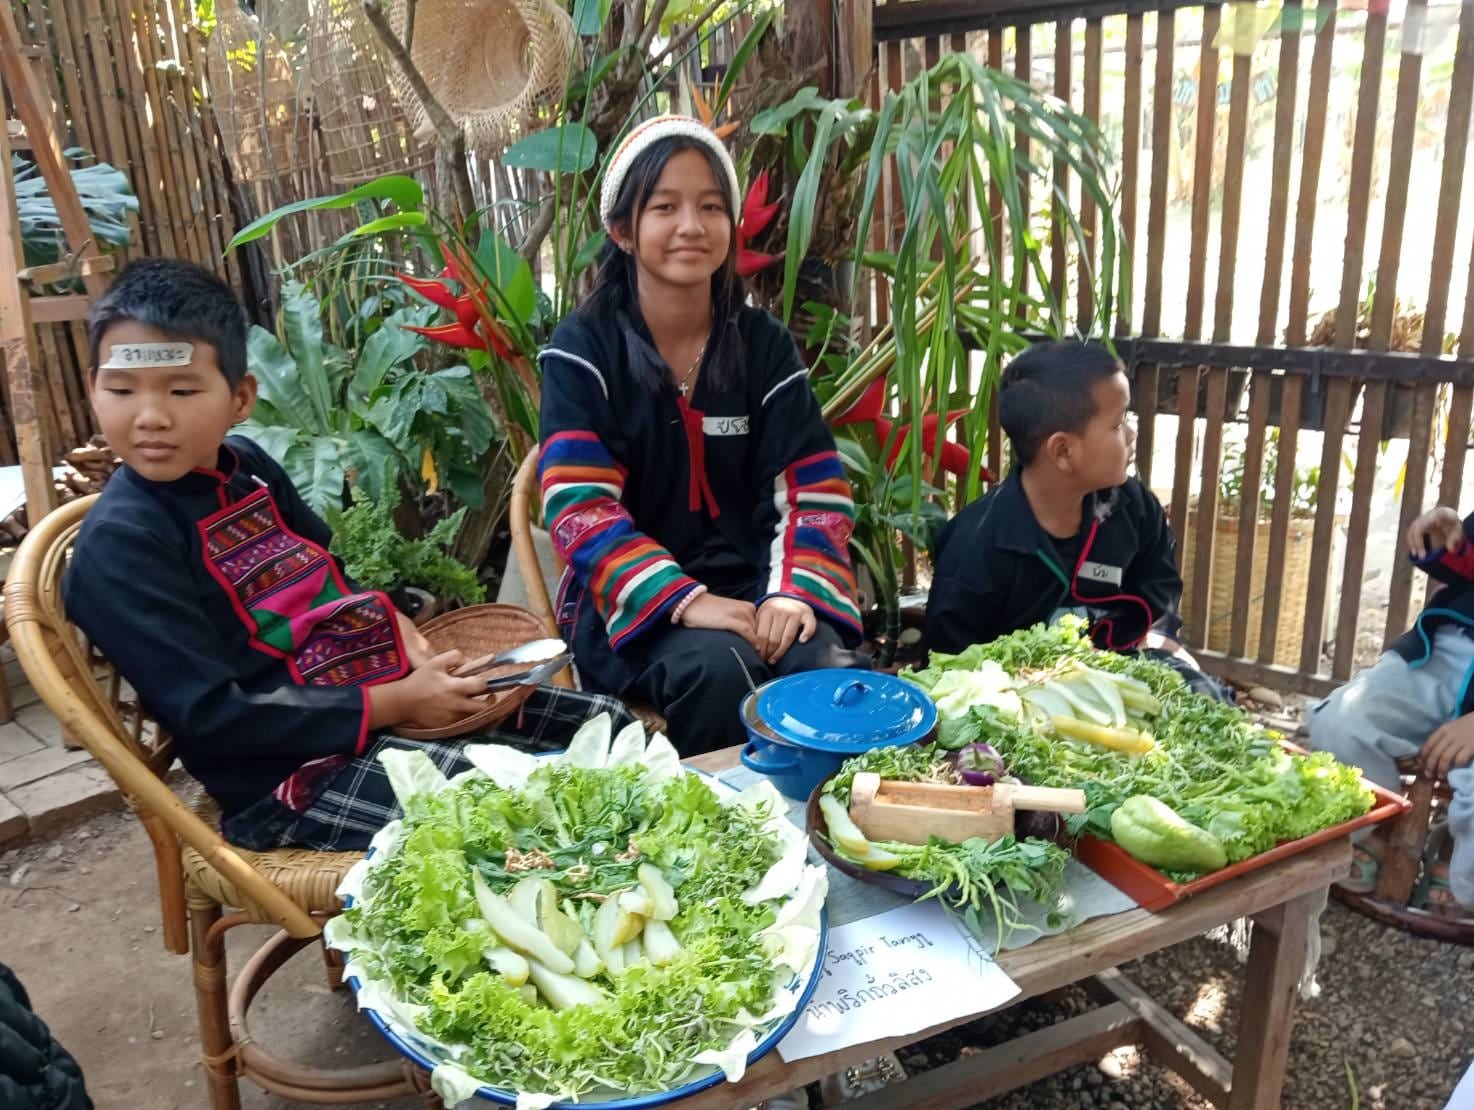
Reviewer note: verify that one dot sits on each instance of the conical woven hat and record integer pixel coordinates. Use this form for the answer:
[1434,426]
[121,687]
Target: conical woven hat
[491,63]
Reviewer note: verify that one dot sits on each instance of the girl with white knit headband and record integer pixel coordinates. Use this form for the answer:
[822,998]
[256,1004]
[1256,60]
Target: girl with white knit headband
[689,481]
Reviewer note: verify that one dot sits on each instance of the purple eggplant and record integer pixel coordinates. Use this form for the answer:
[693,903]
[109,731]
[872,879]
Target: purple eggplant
[978,764]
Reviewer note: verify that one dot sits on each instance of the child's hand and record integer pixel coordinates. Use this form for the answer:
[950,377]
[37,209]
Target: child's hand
[417,649]
[780,621]
[1451,746]
[723,613]
[1437,528]
[429,697]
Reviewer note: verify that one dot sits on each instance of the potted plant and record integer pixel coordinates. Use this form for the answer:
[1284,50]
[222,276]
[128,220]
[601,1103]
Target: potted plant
[419,573]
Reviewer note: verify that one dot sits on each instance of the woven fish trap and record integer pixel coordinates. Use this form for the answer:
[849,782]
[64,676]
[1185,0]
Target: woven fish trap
[254,92]
[363,129]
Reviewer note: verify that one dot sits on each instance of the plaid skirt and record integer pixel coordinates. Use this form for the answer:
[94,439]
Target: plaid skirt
[356,801]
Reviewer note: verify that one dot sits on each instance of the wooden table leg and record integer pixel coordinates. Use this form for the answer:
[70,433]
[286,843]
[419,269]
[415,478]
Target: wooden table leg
[1267,1012]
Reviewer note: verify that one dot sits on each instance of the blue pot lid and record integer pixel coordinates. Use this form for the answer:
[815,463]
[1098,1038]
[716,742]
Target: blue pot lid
[844,711]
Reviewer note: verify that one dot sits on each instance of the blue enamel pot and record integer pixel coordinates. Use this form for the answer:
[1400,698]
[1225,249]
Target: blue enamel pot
[801,728]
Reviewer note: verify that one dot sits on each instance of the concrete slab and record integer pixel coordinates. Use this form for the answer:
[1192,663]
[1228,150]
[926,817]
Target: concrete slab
[67,796]
[16,741]
[13,823]
[27,769]
[40,724]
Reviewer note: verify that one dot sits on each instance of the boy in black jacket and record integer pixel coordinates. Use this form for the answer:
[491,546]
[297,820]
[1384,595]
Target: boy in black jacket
[1068,530]
[207,580]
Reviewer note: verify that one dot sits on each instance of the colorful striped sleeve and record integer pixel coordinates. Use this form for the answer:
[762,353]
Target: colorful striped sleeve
[631,579]
[809,558]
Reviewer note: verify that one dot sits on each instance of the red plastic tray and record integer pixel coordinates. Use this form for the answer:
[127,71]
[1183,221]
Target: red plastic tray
[1153,890]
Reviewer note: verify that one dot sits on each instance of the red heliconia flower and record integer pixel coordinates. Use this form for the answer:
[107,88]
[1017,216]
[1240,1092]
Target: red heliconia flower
[476,327]
[757,214]
[868,409]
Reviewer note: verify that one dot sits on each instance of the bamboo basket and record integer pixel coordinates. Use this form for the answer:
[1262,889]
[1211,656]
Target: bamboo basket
[1215,631]
[481,630]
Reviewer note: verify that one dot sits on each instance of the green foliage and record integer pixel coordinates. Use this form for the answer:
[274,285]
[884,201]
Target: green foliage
[1211,763]
[378,557]
[326,414]
[104,192]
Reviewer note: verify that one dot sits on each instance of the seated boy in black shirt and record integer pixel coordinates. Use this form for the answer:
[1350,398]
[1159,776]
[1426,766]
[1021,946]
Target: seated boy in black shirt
[207,581]
[1068,530]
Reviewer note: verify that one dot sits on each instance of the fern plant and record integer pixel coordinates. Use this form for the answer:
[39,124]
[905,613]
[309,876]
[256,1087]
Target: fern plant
[378,556]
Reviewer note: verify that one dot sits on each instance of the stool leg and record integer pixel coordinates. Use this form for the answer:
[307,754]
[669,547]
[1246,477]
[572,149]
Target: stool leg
[210,990]
[1405,844]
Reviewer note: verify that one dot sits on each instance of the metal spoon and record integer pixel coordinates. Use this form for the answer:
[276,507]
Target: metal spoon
[534,651]
[533,676]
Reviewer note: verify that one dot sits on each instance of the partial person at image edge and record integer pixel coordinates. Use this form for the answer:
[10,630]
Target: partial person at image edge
[36,1072]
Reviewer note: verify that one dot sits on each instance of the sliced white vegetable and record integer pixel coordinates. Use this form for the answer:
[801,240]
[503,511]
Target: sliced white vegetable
[590,744]
[523,898]
[1084,703]
[511,966]
[842,830]
[732,1059]
[562,930]
[528,993]
[661,946]
[628,746]
[661,760]
[563,991]
[507,767]
[1110,694]
[454,1085]
[634,953]
[606,922]
[663,906]
[759,797]
[1050,700]
[586,962]
[515,930]
[783,876]
[878,859]
[637,901]
[411,772]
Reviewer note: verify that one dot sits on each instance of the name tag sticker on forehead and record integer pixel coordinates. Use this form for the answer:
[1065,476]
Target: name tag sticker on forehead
[133,356]
[1099,572]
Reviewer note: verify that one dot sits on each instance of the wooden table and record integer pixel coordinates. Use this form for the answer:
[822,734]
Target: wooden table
[1281,899]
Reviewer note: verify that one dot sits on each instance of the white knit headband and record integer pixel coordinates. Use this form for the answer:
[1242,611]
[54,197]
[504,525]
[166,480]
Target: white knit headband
[652,131]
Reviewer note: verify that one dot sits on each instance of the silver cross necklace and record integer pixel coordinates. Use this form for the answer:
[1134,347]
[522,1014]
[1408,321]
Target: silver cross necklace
[685,383]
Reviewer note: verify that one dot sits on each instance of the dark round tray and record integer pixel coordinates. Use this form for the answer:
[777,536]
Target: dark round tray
[886,880]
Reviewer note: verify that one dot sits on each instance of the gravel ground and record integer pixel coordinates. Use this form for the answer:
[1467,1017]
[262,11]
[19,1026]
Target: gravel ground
[1408,1057]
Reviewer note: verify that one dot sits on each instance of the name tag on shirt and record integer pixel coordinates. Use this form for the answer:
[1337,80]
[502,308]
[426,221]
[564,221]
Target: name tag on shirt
[1099,572]
[726,425]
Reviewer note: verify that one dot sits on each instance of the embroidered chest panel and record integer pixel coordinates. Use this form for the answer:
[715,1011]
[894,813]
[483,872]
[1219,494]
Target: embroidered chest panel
[295,603]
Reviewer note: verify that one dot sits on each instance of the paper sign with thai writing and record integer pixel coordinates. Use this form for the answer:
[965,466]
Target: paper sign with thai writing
[892,974]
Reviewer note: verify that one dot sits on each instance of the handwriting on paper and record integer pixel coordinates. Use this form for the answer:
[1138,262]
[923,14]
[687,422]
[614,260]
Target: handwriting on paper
[892,974]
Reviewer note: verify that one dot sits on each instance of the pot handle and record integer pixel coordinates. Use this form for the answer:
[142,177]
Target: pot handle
[785,764]
[851,691]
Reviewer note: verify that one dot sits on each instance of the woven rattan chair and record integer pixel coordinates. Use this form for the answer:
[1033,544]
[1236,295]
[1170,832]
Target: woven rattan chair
[521,517]
[206,886]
